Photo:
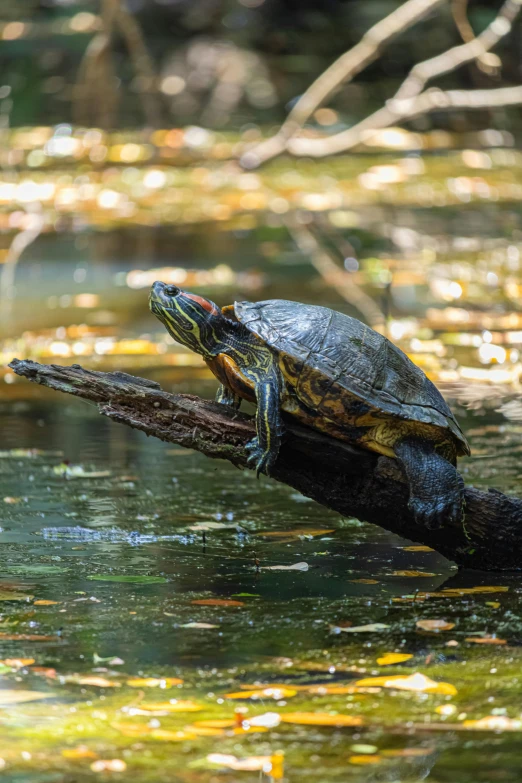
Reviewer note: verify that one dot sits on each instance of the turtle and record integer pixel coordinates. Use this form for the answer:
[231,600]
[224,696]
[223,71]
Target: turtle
[330,372]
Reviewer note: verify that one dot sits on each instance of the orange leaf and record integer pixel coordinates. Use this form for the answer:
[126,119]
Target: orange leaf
[364,759]
[152,682]
[81,752]
[45,602]
[320,719]
[263,693]
[485,640]
[408,753]
[17,663]
[412,574]
[28,637]
[213,724]
[217,602]
[434,625]
[494,723]
[364,581]
[414,682]
[390,658]
[171,706]
[417,549]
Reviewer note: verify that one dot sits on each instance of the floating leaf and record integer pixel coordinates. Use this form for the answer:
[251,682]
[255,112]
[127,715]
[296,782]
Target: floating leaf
[391,658]
[412,574]
[138,579]
[364,581]
[8,697]
[17,663]
[172,736]
[78,471]
[250,764]
[418,548]
[152,682]
[415,682]
[217,602]
[12,501]
[110,765]
[373,627]
[203,626]
[81,752]
[494,723]
[207,527]
[171,706]
[214,724]
[364,759]
[264,693]
[245,595]
[95,680]
[408,753]
[456,591]
[485,640]
[28,637]
[329,690]
[294,567]
[434,625]
[320,719]
[45,602]
[269,720]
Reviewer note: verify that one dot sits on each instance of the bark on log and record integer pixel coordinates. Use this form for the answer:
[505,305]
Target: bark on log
[351,481]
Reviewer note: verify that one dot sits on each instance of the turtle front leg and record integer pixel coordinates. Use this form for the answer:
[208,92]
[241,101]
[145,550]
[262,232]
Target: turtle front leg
[226,396]
[263,450]
[436,488]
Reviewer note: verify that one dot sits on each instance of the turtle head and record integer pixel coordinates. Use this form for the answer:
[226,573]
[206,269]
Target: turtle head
[191,320]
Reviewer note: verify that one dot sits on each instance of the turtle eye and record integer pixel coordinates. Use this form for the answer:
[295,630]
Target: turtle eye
[171,290]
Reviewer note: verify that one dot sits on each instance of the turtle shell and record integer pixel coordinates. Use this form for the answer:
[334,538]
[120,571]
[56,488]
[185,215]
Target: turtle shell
[341,350]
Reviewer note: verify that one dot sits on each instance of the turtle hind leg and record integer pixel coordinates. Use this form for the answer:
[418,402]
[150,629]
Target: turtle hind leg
[226,396]
[436,488]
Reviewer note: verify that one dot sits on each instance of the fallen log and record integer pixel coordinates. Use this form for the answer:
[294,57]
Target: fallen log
[349,480]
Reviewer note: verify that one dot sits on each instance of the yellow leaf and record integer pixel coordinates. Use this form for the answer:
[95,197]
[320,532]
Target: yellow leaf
[264,693]
[414,682]
[418,549]
[364,581]
[171,736]
[331,690]
[434,625]
[320,719]
[81,752]
[390,658]
[151,682]
[408,753]
[493,604]
[456,591]
[412,574]
[171,706]
[364,759]
[98,682]
[213,724]
[204,731]
[21,697]
[45,602]
[17,663]
[485,640]
[494,723]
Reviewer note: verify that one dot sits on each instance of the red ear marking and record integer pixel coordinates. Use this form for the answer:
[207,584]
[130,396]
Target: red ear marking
[208,306]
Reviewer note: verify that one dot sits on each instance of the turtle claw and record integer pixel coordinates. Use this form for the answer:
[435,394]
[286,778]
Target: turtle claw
[434,515]
[259,460]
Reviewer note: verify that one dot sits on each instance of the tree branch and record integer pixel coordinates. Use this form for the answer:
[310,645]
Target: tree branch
[351,481]
[341,71]
[397,111]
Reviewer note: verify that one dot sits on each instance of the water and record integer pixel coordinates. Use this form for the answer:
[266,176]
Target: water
[193,530]
[110,542]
